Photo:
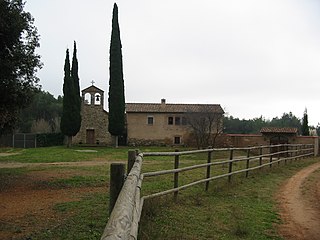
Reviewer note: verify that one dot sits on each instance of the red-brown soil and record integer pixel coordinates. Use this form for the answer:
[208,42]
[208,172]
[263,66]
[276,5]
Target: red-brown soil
[299,200]
[27,202]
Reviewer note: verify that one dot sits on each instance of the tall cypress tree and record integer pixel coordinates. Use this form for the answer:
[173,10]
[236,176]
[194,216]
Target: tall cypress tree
[305,128]
[116,83]
[70,109]
[76,90]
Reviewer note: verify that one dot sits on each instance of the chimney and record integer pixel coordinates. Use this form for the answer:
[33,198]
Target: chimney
[163,101]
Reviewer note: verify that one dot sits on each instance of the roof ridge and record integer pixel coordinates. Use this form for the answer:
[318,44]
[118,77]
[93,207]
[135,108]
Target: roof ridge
[172,107]
[200,104]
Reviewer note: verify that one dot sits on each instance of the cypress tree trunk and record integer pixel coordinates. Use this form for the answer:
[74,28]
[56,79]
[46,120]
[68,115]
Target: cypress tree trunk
[69,141]
[116,98]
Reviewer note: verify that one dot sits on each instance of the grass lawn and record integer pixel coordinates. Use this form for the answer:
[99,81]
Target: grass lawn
[244,209]
[73,154]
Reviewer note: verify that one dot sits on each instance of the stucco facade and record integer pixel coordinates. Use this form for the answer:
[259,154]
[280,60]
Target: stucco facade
[162,123]
[94,123]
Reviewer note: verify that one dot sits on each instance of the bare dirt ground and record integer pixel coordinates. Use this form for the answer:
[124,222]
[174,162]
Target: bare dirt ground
[70,164]
[299,200]
[27,204]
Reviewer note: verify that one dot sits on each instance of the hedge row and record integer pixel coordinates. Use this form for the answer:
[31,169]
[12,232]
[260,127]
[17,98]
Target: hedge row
[49,139]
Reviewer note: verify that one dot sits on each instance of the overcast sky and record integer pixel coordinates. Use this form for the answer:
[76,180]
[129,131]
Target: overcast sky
[252,57]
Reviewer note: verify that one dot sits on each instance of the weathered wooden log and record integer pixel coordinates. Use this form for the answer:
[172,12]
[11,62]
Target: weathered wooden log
[120,221]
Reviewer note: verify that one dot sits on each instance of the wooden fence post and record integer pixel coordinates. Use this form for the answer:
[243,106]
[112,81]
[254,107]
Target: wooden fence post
[287,154]
[208,169]
[270,151]
[230,164]
[131,159]
[279,149]
[316,146]
[260,153]
[248,161]
[176,175]
[117,171]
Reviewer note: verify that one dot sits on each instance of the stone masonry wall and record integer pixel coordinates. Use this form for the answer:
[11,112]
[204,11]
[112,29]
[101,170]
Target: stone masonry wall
[95,118]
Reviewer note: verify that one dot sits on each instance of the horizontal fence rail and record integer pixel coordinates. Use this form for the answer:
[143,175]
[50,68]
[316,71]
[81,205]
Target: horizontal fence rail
[125,216]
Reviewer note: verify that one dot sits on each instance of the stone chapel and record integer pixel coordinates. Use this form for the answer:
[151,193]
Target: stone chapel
[94,123]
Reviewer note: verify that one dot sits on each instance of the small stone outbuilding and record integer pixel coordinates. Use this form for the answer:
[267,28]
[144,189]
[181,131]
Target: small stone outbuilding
[277,135]
[94,124]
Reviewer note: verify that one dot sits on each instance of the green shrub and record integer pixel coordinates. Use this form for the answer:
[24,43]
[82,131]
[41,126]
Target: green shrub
[50,139]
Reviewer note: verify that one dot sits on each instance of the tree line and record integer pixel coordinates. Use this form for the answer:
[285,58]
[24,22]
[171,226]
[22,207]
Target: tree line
[253,126]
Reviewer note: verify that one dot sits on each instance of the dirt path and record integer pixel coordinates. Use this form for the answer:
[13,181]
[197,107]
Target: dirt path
[300,205]
[69,164]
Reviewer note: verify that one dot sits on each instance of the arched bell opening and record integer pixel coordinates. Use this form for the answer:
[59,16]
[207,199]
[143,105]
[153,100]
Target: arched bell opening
[97,99]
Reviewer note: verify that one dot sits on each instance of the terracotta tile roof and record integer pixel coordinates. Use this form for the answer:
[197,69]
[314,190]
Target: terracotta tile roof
[171,108]
[278,130]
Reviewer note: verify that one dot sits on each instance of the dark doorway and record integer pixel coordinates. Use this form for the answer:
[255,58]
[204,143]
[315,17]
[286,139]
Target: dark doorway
[277,140]
[90,136]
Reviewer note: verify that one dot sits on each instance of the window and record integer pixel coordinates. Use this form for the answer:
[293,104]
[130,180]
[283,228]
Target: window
[184,121]
[177,121]
[177,140]
[170,120]
[150,121]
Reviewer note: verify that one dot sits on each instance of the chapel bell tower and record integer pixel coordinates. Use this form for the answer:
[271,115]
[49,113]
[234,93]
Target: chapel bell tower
[93,97]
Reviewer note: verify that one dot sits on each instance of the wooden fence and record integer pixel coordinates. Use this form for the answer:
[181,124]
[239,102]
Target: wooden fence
[125,216]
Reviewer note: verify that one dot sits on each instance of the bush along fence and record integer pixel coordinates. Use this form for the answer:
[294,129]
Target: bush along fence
[126,203]
[31,140]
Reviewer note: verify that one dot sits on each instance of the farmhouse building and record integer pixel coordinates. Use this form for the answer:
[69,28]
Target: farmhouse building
[94,123]
[162,123]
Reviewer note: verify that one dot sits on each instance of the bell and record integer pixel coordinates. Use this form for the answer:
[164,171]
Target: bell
[97,98]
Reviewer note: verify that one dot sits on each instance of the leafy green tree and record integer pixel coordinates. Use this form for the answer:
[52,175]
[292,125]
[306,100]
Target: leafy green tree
[18,61]
[70,111]
[116,98]
[44,106]
[305,127]
[253,126]
[287,120]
